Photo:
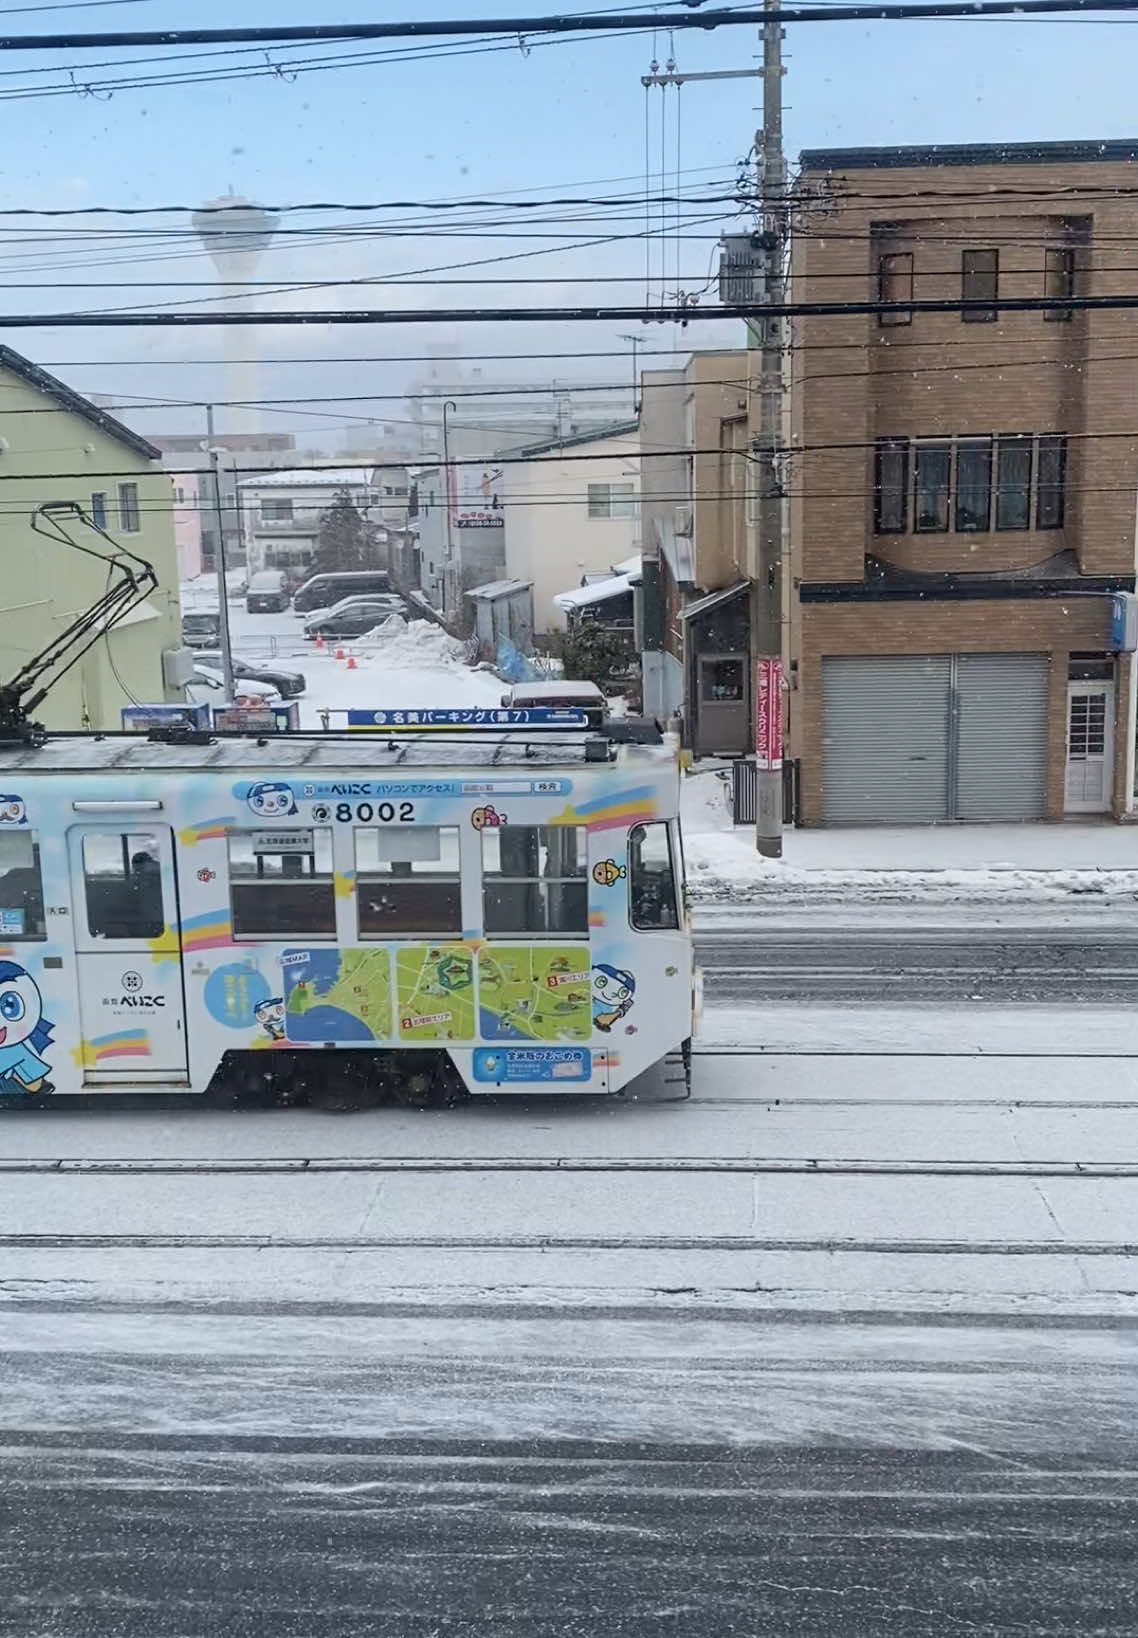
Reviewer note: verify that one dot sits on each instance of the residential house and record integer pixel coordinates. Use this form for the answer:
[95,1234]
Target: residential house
[572,509]
[281,513]
[460,523]
[694,636]
[116,477]
[963,502]
[186,455]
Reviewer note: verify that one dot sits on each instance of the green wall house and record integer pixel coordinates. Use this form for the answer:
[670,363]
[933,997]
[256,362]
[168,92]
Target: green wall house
[56,446]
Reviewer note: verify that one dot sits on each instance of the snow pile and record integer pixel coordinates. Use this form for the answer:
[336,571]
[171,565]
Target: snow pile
[417,645]
[945,864]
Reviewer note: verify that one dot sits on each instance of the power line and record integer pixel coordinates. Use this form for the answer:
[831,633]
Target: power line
[665,314]
[608,23]
[221,210]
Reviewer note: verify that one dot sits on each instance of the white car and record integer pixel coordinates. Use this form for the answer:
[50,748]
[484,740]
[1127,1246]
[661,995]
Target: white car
[208,688]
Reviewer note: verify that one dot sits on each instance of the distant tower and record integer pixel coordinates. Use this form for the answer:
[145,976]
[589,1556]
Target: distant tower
[236,233]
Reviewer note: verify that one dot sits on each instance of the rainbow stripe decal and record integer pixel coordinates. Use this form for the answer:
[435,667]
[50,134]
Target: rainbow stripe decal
[209,931]
[635,807]
[125,1043]
[597,918]
[206,830]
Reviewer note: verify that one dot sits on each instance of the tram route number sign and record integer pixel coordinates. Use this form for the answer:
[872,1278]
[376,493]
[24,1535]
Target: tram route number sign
[768,713]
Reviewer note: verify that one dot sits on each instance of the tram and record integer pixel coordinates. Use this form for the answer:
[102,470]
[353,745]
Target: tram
[486,899]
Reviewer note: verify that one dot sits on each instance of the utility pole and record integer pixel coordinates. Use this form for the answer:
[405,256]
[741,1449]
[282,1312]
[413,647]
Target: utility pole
[449,588]
[766,555]
[635,342]
[222,565]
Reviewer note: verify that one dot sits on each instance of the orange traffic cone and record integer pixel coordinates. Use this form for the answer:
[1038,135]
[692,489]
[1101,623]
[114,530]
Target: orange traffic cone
[352,662]
[320,640]
[339,654]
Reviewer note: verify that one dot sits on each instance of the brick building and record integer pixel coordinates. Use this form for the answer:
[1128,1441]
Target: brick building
[963,508]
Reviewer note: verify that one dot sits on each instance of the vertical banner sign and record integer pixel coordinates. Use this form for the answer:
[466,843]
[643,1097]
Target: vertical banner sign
[768,713]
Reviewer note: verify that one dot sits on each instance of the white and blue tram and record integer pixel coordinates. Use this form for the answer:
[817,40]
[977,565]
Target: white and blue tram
[483,903]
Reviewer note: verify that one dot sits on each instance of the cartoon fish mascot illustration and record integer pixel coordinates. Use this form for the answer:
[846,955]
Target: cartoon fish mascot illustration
[24,1032]
[12,810]
[270,1015]
[613,990]
[271,800]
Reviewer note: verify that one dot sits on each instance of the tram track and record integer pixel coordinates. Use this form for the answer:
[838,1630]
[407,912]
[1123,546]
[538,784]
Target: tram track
[692,1165]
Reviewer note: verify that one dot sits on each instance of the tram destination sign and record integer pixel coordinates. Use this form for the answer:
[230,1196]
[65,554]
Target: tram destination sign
[547,717]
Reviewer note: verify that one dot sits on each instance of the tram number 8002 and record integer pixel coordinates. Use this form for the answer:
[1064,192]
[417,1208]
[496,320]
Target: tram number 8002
[383,813]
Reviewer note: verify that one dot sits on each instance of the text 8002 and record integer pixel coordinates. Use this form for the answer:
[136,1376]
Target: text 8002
[367,813]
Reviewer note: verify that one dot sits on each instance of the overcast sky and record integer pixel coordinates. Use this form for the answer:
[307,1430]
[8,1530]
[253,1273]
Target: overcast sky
[563,117]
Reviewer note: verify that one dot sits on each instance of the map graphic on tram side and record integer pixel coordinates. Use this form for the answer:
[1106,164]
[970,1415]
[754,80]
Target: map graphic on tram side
[540,993]
[337,995]
[435,988]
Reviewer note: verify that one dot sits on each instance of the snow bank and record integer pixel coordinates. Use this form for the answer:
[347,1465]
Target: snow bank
[416,645]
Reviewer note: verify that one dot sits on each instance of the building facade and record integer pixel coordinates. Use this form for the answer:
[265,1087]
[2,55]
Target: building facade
[572,509]
[694,432]
[281,513]
[49,429]
[962,485]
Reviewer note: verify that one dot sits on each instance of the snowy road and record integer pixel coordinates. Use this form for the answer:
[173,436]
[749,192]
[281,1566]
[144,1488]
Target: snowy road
[747,964]
[848,1343]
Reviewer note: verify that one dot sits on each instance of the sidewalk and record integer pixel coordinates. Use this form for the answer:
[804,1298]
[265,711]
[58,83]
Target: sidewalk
[1059,863]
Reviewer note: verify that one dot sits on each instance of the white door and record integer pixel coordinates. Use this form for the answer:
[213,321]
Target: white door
[128,953]
[1090,746]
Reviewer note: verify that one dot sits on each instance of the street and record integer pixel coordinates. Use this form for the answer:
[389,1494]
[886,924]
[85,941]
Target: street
[848,1342]
[847,966]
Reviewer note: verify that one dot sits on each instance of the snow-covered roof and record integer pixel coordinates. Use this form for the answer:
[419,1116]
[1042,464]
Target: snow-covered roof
[630,566]
[713,599]
[494,589]
[335,477]
[600,591]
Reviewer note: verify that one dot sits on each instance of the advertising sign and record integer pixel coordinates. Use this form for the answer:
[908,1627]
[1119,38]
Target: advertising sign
[768,713]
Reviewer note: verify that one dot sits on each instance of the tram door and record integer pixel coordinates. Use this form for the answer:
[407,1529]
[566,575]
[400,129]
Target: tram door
[128,952]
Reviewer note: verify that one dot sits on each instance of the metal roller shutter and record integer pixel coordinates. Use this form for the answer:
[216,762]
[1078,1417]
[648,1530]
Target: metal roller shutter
[1001,736]
[886,738]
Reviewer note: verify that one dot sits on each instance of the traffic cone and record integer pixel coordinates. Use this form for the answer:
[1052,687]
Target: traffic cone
[339,654]
[352,663]
[320,643]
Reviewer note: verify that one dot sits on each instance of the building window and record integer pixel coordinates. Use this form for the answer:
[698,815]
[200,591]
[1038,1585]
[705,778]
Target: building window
[407,880]
[21,888]
[1051,482]
[533,879]
[276,511]
[1013,482]
[122,884]
[1058,281]
[612,500]
[933,470]
[99,509]
[973,485]
[651,879]
[895,284]
[891,486]
[128,509]
[281,883]
[979,281]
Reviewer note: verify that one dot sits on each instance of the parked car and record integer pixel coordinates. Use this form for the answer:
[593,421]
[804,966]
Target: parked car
[267,593]
[353,616]
[201,630]
[323,591]
[560,693]
[286,683]
[208,687]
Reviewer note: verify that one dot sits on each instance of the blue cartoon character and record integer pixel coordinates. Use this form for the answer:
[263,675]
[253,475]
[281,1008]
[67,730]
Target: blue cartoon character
[271,800]
[613,991]
[270,1015]
[24,1032]
[12,810]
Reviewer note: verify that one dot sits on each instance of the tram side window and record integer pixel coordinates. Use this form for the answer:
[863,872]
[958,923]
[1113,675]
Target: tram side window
[652,879]
[281,883]
[533,879]
[122,884]
[21,887]
[408,880]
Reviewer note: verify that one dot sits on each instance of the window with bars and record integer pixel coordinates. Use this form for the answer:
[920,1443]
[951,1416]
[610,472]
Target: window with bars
[1086,732]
